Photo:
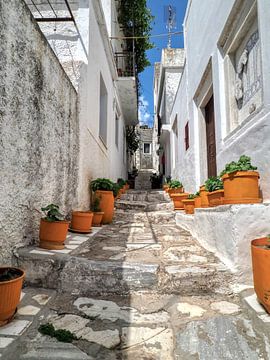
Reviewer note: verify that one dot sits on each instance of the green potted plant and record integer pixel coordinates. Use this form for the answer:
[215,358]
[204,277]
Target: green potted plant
[189,203]
[260,253]
[97,213]
[175,187]
[53,228]
[11,280]
[215,191]
[104,189]
[241,182]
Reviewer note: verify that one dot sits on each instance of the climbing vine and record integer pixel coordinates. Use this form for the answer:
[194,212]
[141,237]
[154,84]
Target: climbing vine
[133,139]
[136,20]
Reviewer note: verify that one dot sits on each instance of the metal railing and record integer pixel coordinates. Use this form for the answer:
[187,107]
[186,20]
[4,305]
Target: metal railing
[125,64]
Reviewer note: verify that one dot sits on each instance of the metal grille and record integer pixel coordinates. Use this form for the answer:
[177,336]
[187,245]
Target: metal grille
[51,10]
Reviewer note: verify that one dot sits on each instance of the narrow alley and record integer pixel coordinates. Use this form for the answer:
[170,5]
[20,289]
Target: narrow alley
[140,288]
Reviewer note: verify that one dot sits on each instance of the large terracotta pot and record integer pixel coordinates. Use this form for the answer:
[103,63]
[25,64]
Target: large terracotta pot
[204,198]
[261,265]
[198,202]
[175,191]
[189,205]
[52,234]
[106,205]
[178,200]
[215,198]
[241,187]
[82,221]
[97,218]
[10,292]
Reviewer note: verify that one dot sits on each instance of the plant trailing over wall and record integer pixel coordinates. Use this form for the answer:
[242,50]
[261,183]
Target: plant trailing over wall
[136,20]
[243,164]
[213,184]
[52,213]
[133,139]
[102,184]
[175,184]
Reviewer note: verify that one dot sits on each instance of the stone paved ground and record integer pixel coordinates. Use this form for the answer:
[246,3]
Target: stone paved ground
[140,288]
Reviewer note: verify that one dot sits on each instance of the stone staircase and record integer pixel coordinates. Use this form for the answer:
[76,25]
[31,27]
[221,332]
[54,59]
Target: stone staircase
[142,181]
[142,250]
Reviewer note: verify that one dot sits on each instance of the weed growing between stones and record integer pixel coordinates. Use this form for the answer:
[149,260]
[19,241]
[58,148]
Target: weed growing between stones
[61,334]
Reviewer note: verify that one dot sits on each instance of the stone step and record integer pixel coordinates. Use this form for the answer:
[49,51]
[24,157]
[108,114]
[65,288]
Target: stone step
[143,206]
[146,196]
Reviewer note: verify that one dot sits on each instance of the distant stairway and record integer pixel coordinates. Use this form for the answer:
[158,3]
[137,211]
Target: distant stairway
[142,181]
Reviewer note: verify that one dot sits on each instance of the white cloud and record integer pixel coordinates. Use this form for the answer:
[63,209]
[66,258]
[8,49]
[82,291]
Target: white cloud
[144,114]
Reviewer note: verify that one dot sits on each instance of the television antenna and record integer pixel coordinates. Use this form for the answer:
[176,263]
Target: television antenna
[170,20]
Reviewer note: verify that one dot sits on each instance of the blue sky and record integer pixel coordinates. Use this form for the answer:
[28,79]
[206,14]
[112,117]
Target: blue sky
[146,111]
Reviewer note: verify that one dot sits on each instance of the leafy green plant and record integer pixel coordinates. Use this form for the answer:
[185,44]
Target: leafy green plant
[102,184]
[52,213]
[95,206]
[61,334]
[197,194]
[213,184]
[121,182]
[243,164]
[133,139]
[191,196]
[116,189]
[175,184]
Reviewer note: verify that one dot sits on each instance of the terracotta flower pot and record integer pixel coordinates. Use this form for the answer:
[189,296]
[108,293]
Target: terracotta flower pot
[82,221]
[175,191]
[178,200]
[261,265]
[241,187]
[204,198]
[215,198]
[189,205]
[10,292]
[52,235]
[97,218]
[198,202]
[106,205]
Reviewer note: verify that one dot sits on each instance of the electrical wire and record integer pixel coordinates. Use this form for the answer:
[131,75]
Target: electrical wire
[144,37]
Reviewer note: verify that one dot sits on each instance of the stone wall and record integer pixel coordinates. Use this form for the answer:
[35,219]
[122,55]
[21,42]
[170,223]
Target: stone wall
[38,132]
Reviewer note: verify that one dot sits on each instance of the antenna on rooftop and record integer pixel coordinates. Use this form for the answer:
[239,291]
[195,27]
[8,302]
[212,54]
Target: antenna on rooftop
[170,20]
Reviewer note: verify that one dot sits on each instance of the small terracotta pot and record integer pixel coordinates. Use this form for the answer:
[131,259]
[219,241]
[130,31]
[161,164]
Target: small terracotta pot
[10,292]
[97,218]
[215,198]
[178,200]
[204,198]
[106,205]
[175,191]
[82,221]
[189,206]
[261,265]
[241,187]
[198,202]
[52,235]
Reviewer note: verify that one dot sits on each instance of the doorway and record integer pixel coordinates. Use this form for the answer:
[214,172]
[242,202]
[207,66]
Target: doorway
[211,137]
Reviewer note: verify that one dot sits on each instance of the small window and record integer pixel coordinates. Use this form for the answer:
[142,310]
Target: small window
[103,103]
[187,135]
[146,148]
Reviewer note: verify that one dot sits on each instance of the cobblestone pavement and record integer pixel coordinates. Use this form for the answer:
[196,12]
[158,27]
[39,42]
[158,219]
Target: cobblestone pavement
[140,288]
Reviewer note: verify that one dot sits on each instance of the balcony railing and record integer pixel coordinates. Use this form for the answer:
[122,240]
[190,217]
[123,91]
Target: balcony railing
[125,64]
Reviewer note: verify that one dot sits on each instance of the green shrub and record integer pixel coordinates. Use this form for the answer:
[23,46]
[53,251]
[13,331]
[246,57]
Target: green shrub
[213,184]
[61,334]
[52,213]
[175,184]
[243,164]
[102,184]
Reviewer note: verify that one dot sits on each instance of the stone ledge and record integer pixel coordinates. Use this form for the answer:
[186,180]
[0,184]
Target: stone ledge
[227,232]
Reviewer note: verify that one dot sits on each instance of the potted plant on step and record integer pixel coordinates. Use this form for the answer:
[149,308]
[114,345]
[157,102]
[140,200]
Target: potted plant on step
[189,204]
[81,221]
[178,200]
[11,280]
[198,201]
[122,186]
[260,253]
[214,187]
[53,228]
[175,187]
[204,197]
[103,188]
[241,182]
[97,213]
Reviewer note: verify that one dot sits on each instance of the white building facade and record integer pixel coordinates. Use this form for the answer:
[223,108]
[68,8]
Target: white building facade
[104,75]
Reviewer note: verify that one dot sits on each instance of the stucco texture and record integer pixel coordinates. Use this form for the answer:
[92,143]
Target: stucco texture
[38,129]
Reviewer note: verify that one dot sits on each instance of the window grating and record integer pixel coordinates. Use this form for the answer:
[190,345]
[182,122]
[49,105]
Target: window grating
[51,10]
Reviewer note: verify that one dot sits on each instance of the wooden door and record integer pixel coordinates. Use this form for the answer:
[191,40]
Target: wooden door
[211,138]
